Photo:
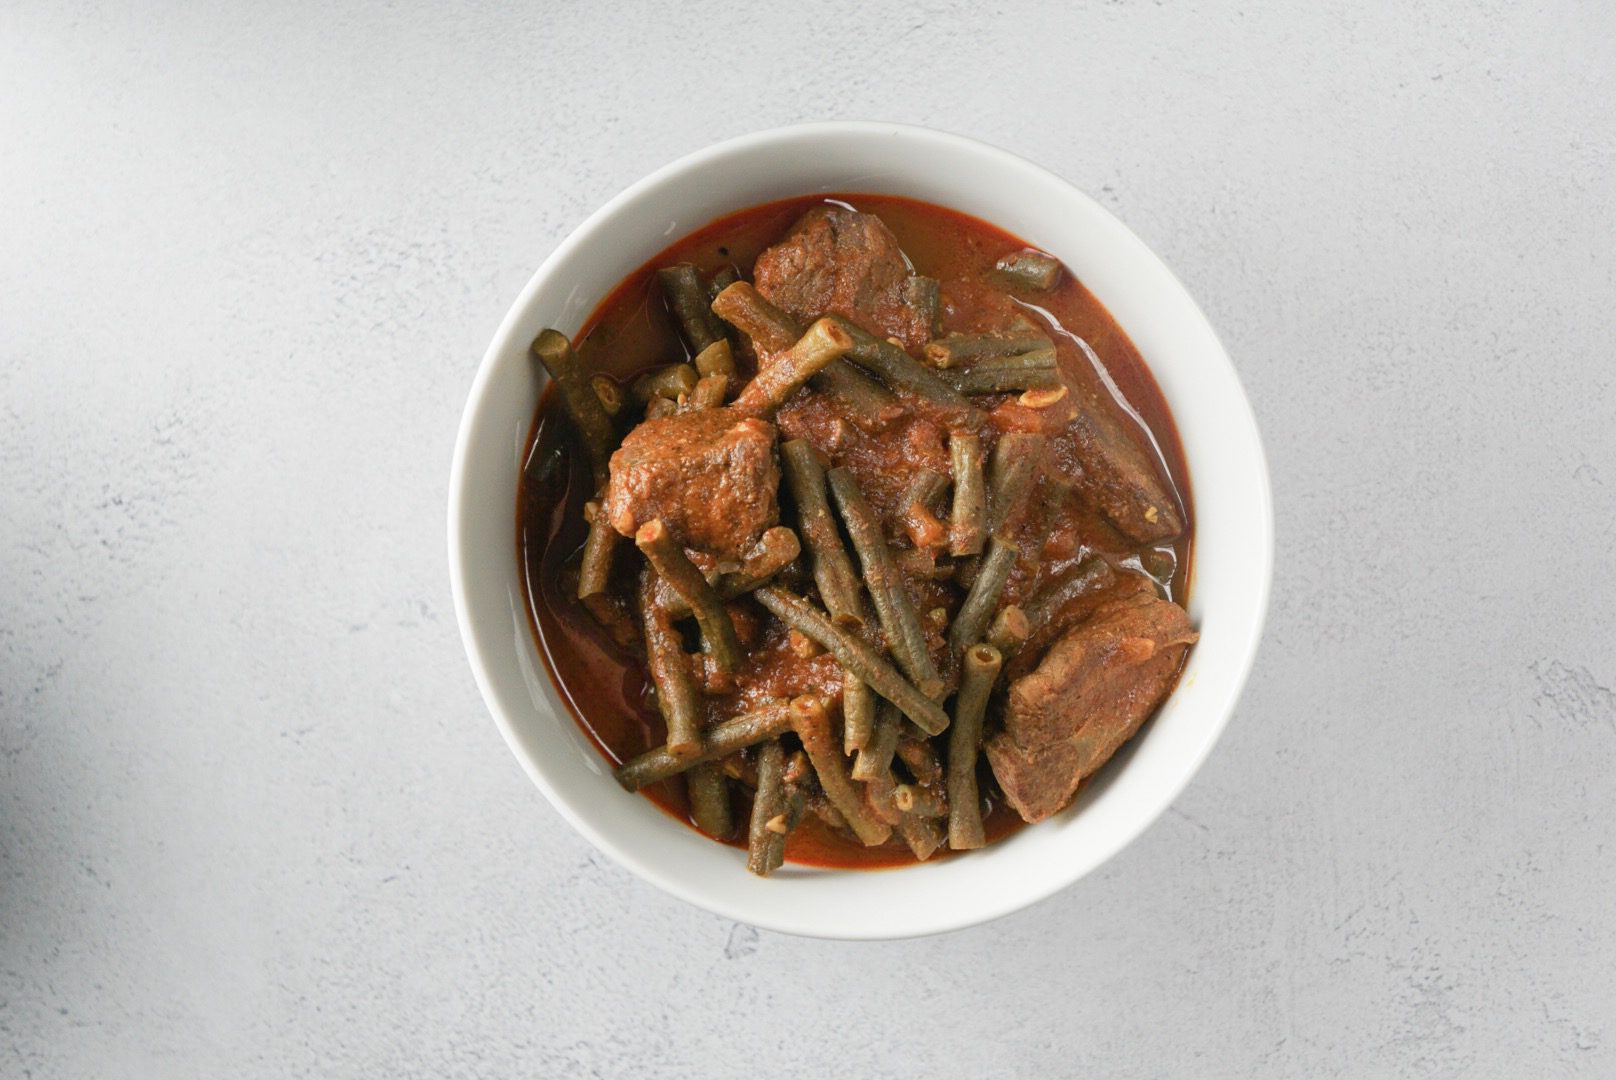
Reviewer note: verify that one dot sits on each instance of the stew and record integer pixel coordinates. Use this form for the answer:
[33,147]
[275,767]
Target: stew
[855,531]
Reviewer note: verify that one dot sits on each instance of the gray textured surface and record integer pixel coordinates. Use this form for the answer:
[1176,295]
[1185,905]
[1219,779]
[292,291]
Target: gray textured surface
[254,821]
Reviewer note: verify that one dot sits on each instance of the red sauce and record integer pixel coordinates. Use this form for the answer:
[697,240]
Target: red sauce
[604,684]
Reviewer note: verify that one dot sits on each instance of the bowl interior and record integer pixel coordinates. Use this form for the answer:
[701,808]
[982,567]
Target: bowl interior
[1233,547]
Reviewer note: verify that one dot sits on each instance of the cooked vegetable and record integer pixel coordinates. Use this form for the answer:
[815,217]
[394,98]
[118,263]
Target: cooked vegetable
[833,570]
[554,351]
[958,348]
[899,620]
[875,760]
[676,696]
[1011,473]
[1010,628]
[912,799]
[981,667]
[674,567]
[923,835]
[709,800]
[974,615]
[744,308]
[718,741]
[858,713]
[773,554]
[672,381]
[595,566]
[609,393]
[812,723]
[998,379]
[919,506]
[687,299]
[968,520]
[899,369]
[1028,269]
[856,656]
[821,343]
[722,278]
[1090,576]
[709,392]
[716,359]
[766,836]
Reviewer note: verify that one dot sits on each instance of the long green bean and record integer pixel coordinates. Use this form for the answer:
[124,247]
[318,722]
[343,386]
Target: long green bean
[858,713]
[609,393]
[674,567]
[981,667]
[899,369]
[554,351]
[876,758]
[923,835]
[677,695]
[812,723]
[1028,269]
[833,570]
[744,308]
[855,655]
[766,834]
[1011,473]
[899,620]
[968,521]
[1002,380]
[983,598]
[716,359]
[709,800]
[718,741]
[958,348]
[671,381]
[687,299]
[819,345]
[1010,628]
[774,552]
[595,567]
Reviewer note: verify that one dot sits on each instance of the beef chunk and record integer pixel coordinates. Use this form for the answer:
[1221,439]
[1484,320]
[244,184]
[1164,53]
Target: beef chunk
[709,475]
[842,262]
[1088,696]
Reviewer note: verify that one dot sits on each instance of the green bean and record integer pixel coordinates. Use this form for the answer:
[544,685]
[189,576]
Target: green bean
[917,754]
[858,713]
[981,668]
[595,567]
[658,407]
[744,308]
[718,741]
[716,359]
[878,796]
[968,525]
[1010,628]
[913,799]
[857,393]
[709,800]
[899,369]
[677,695]
[833,570]
[671,381]
[855,655]
[687,299]
[977,610]
[709,392]
[607,390]
[811,721]
[554,351]
[1028,269]
[875,759]
[773,553]
[766,836]
[820,344]
[924,296]
[1011,473]
[956,348]
[899,620]
[674,567]
[1002,380]
[722,278]
[923,835]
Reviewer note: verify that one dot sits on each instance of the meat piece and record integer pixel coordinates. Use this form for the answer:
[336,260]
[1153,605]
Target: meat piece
[709,475]
[837,261]
[1109,465]
[1092,691]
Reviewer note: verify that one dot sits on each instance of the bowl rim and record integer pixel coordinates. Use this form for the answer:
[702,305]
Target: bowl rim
[459,483]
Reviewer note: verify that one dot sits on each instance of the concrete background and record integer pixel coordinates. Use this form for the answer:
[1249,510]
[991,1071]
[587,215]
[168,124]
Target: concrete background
[254,820]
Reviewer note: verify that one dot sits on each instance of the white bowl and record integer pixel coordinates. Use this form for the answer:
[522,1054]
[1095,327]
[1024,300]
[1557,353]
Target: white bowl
[1233,550]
